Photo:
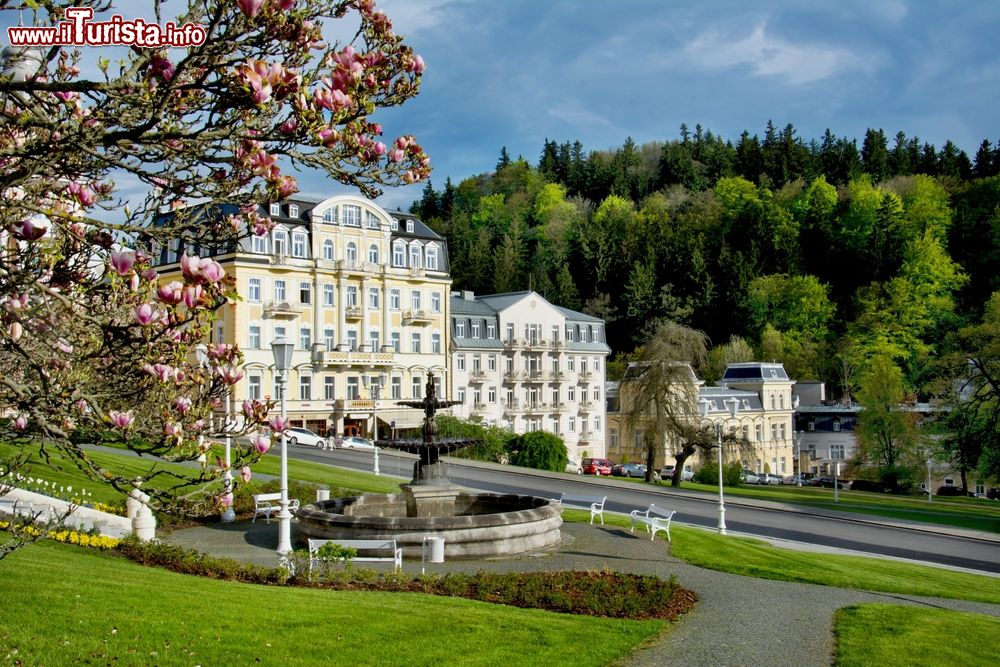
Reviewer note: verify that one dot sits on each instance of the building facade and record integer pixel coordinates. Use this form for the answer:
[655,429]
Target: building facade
[362,292]
[522,363]
[763,395]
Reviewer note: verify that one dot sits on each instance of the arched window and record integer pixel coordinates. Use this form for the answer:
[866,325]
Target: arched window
[352,252]
[328,249]
[373,254]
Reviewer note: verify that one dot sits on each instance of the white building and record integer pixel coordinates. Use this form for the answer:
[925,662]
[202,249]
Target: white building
[520,362]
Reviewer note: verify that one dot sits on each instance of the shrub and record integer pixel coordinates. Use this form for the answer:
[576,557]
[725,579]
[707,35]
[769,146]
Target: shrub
[540,450]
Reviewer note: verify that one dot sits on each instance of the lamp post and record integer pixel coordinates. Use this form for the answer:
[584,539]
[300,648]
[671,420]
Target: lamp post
[375,389]
[282,349]
[798,458]
[734,406]
[929,462]
[228,515]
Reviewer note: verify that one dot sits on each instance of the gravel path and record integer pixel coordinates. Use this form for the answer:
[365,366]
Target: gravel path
[738,620]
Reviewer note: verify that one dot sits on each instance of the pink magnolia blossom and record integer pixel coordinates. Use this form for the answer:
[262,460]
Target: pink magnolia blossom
[250,7]
[192,295]
[122,262]
[21,422]
[182,404]
[30,230]
[198,425]
[162,372]
[262,443]
[189,266]
[144,314]
[173,430]
[230,374]
[289,126]
[396,155]
[211,270]
[279,424]
[81,193]
[15,330]
[285,5]
[245,473]
[415,65]
[226,499]
[133,282]
[171,293]
[287,186]
[120,419]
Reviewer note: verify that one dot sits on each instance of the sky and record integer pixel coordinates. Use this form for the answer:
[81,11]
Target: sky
[518,72]
[513,73]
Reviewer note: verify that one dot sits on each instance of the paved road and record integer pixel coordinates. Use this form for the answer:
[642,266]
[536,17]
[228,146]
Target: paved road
[956,548]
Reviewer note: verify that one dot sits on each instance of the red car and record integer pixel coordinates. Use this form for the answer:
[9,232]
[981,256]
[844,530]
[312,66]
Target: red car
[596,467]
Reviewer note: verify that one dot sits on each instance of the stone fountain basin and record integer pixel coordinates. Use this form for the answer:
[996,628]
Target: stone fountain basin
[483,525]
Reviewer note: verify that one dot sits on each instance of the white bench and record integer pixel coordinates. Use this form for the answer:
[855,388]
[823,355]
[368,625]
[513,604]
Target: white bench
[592,504]
[270,503]
[654,518]
[368,551]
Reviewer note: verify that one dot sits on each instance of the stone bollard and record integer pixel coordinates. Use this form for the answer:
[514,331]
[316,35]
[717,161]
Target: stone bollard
[143,522]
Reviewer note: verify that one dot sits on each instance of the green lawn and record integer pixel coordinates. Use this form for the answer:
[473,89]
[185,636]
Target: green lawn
[75,606]
[890,635]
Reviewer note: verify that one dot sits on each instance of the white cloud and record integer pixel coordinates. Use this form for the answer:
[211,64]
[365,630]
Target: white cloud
[772,56]
[410,17]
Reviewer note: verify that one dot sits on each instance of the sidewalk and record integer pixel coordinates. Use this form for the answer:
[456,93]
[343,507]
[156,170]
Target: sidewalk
[738,621]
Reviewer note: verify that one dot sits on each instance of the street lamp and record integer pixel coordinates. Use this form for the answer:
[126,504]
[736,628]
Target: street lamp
[798,458]
[282,349]
[375,389]
[734,406]
[929,462]
[228,515]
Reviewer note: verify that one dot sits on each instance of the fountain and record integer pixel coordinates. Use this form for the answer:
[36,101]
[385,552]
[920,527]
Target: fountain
[473,525]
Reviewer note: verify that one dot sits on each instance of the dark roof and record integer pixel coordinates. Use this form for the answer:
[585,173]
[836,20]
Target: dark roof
[755,371]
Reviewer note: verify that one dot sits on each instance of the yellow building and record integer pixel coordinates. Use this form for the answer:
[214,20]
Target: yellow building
[362,292]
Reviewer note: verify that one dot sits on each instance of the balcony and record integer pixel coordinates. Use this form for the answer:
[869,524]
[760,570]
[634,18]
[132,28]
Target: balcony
[537,344]
[510,407]
[557,376]
[281,309]
[536,408]
[477,377]
[279,260]
[585,377]
[513,343]
[417,317]
[353,313]
[586,406]
[537,376]
[342,355]
[354,405]
[514,376]
[478,408]
[557,344]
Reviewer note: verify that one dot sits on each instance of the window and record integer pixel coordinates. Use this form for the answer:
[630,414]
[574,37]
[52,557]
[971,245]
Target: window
[837,452]
[510,333]
[373,340]
[491,330]
[305,293]
[330,215]
[477,396]
[416,386]
[461,394]
[571,363]
[352,252]
[280,242]
[298,245]
[280,332]
[399,254]
[597,394]
[436,343]
[352,215]
[328,250]
[396,387]
[254,338]
[328,338]
[491,394]
[415,343]
[352,296]
[353,391]
[436,302]
[394,226]
[597,422]
[329,388]
[613,438]
[477,363]
[491,362]
[293,211]
[352,340]
[305,338]
[258,244]
[394,298]
[409,226]
[305,387]
[555,397]
[253,291]
[509,364]
[572,424]
[279,290]
[475,329]
[275,209]
[415,256]
[327,294]
[431,257]
[373,298]
[373,254]
[253,387]
[460,362]
[569,333]
[836,424]
[460,329]
[394,342]
[372,221]
[570,394]
[415,300]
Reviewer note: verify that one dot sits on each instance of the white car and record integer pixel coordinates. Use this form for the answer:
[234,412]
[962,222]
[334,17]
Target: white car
[354,442]
[574,467]
[303,436]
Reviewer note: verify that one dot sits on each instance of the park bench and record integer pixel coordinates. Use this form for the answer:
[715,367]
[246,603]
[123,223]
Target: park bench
[654,518]
[592,504]
[368,551]
[270,503]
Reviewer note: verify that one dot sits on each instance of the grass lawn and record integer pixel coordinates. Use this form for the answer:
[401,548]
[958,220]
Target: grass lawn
[888,635]
[76,606]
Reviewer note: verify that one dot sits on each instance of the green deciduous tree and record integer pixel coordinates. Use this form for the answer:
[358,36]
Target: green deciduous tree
[885,432]
[540,450]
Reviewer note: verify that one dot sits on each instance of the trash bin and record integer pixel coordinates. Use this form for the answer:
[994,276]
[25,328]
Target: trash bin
[432,551]
[322,494]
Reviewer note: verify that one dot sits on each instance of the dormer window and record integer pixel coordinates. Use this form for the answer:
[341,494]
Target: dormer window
[394,225]
[293,210]
[298,245]
[280,242]
[409,226]
[415,253]
[836,424]
[275,209]
[399,254]
[431,257]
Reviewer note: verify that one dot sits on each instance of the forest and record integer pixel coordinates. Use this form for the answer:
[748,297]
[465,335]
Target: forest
[820,254]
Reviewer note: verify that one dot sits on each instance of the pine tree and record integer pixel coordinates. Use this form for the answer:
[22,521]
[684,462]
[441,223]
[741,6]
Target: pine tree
[504,160]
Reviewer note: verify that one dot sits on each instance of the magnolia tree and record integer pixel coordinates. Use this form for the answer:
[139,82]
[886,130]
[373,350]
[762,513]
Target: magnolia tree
[91,338]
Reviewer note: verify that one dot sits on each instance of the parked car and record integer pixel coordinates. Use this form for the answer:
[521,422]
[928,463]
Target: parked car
[749,477]
[667,472]
[629,470]
[769,478]
[790,479]
[353,442]
[303,436]
[596,467]
[574,467]
[828,483]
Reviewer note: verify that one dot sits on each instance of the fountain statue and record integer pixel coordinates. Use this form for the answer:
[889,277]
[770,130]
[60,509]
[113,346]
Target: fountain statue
[473,525]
